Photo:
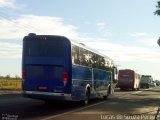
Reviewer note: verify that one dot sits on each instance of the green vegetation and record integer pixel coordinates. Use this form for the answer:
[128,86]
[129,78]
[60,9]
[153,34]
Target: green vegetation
[8,77]
[157,12]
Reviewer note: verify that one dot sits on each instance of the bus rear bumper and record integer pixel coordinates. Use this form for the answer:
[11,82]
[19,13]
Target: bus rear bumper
[46,95]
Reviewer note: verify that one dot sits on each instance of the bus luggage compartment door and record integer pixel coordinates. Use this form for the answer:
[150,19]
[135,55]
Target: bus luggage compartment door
[46,78]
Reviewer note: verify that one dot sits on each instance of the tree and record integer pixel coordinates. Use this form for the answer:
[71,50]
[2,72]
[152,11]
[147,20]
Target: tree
[8,76]
[157,12]
[17,77]
[158,41]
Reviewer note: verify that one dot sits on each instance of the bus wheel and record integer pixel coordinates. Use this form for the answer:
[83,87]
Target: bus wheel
[106,96]
[133,89]
[86,100]
[49,102]
[121,89]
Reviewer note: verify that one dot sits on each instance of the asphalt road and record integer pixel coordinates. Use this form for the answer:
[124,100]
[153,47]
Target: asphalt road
[123,105]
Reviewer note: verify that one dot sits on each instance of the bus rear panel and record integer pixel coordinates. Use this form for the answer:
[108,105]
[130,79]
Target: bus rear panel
[128,79]
[45,67]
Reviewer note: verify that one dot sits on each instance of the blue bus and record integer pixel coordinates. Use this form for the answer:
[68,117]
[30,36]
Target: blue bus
[55,68]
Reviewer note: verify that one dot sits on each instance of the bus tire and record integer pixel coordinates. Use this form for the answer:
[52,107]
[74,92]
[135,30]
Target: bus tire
[133,89]
[121,89]
[49,102]
[86,100]
[106,96]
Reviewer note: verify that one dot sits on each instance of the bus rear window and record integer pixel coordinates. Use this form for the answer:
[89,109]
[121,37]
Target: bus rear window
[48,47]
[125,74]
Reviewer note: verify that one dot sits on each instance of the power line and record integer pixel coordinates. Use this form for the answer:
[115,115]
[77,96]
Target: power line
[5,16]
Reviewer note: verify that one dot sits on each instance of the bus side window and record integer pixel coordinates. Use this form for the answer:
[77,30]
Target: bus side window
[75,54]
[83,57]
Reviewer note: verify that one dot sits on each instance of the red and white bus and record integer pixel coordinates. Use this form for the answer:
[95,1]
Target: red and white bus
[128,79]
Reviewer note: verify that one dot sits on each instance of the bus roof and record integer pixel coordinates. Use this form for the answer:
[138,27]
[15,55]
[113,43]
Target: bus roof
[126,70]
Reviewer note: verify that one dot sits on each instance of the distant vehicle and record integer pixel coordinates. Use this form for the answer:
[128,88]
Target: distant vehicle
[128,79]
[157,82]
[54,68]
[146,81]
[153,84]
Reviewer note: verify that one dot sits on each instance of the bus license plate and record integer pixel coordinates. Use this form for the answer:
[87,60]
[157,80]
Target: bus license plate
[42,87]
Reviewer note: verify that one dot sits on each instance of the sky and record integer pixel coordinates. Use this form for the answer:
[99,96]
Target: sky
[125,30]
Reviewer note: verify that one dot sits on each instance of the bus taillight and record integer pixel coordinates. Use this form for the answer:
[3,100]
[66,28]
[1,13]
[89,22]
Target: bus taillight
[23,74]
[65,76]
